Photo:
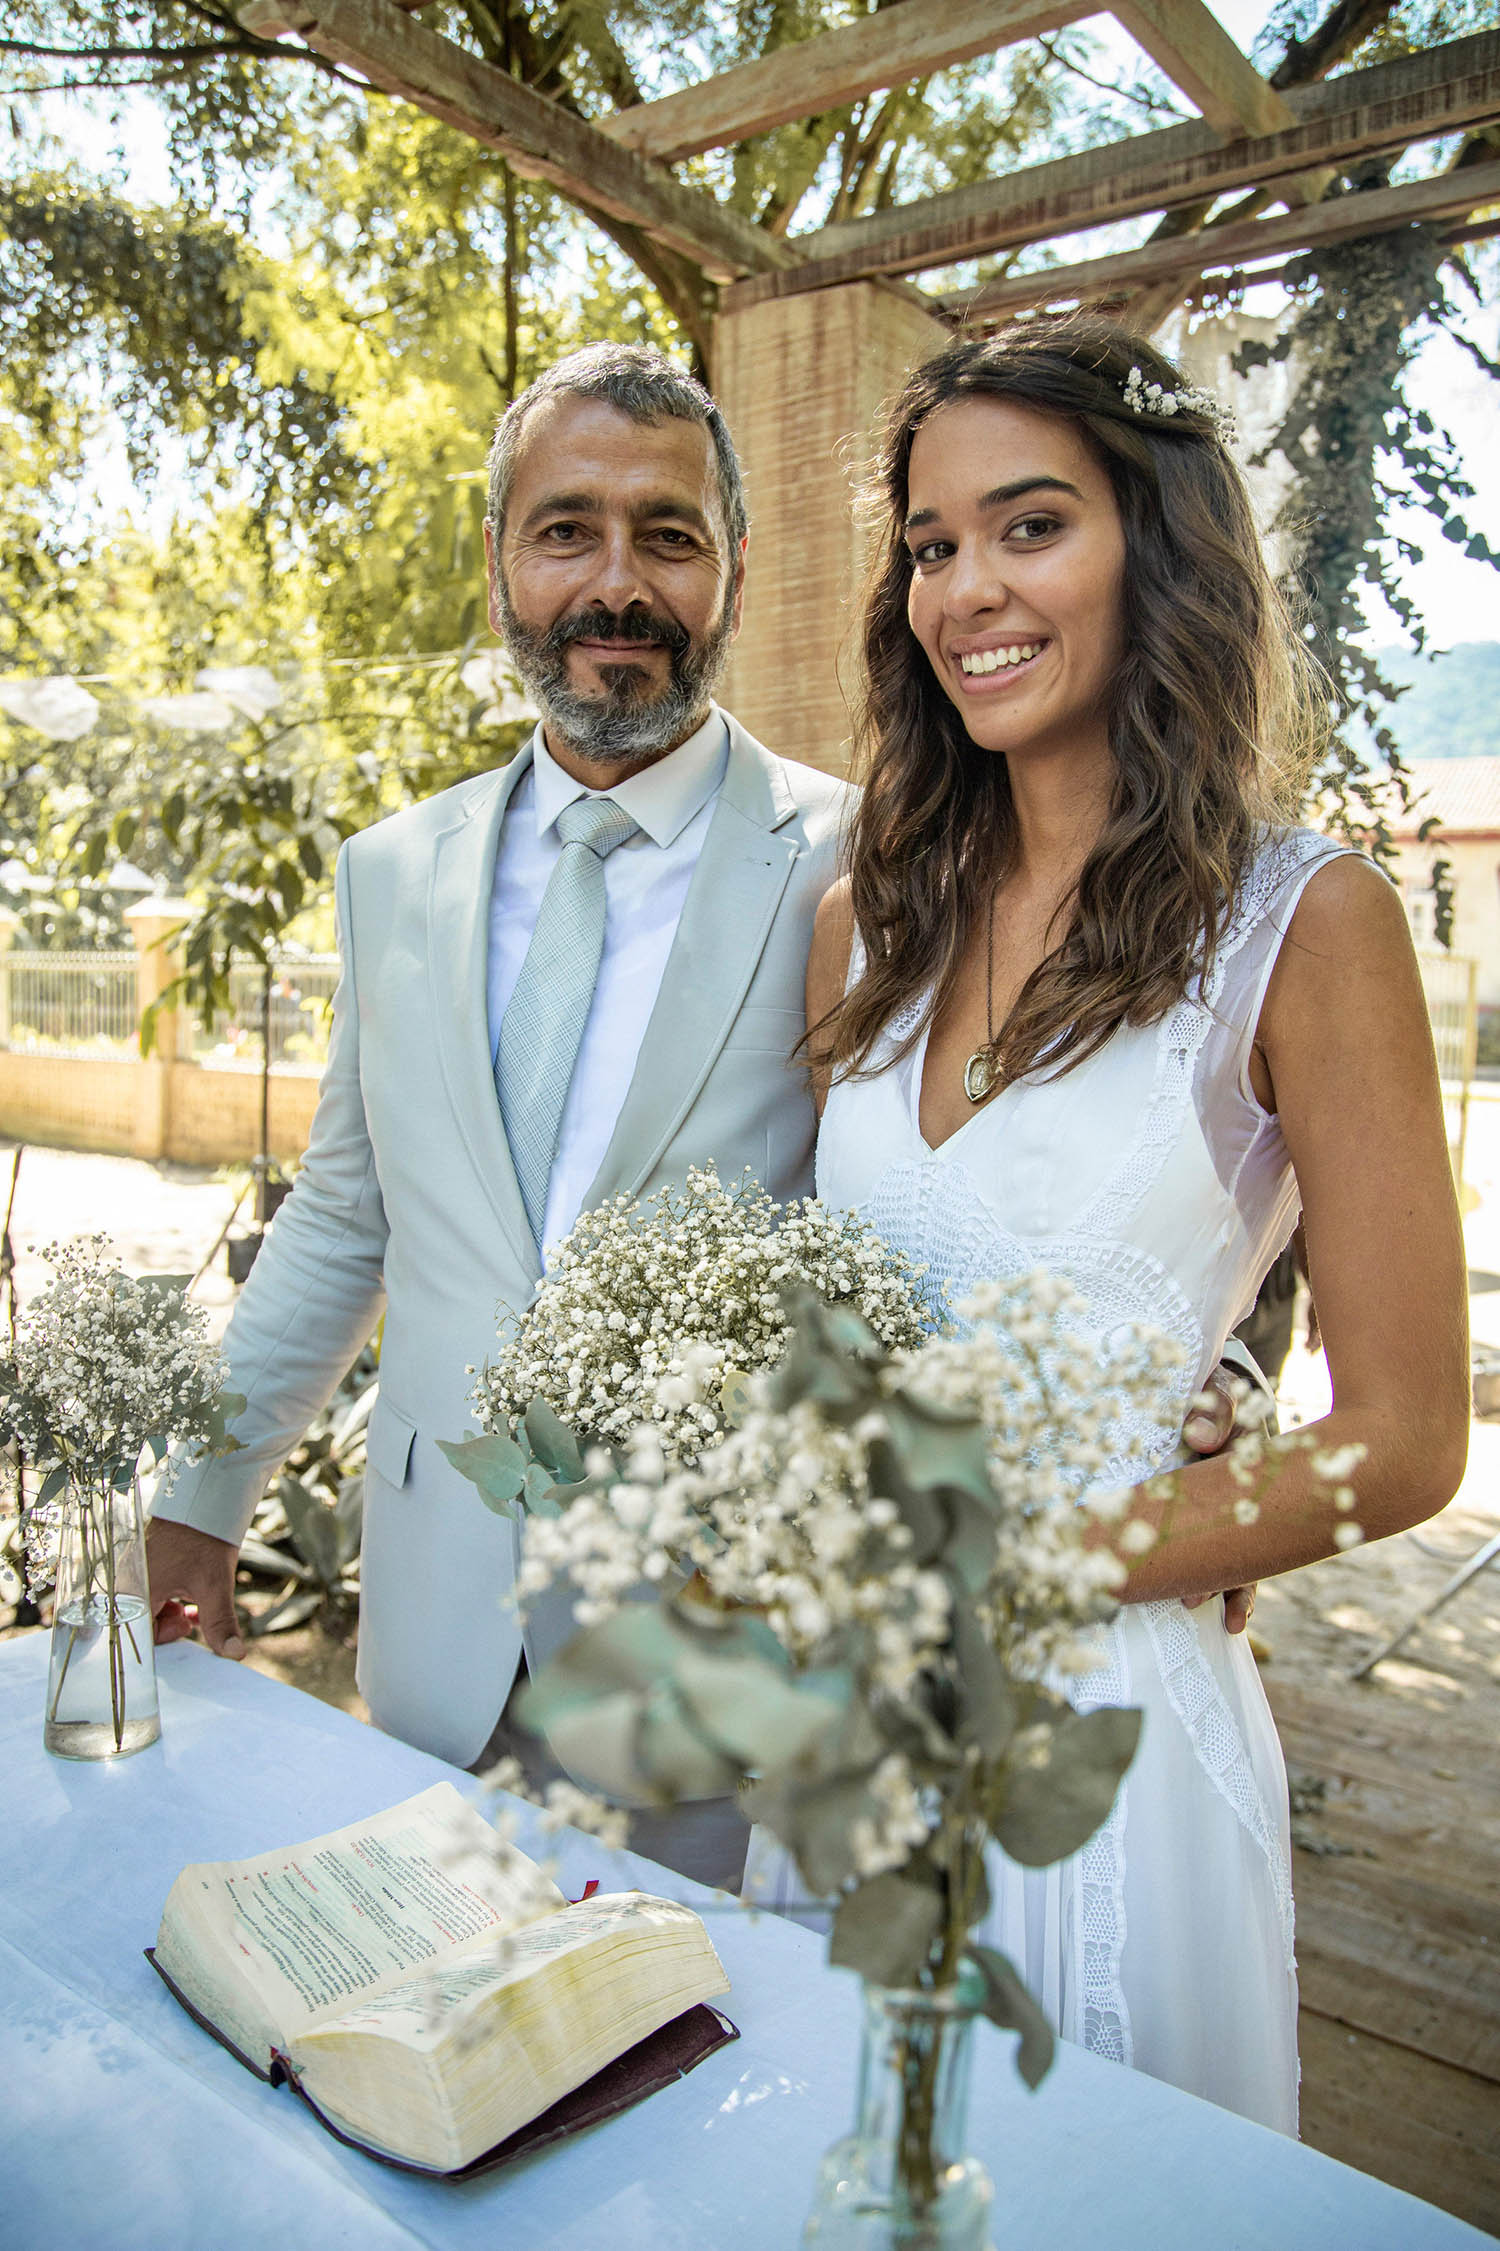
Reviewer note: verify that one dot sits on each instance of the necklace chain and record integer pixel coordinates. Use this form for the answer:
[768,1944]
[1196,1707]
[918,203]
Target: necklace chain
[981,1074]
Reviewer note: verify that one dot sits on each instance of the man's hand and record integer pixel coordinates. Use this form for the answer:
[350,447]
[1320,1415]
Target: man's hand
[1208,1430]
[192,1573]
[1210,1423]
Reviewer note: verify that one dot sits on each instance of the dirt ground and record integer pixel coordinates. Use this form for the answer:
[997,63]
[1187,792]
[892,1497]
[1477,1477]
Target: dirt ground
[1396,1791]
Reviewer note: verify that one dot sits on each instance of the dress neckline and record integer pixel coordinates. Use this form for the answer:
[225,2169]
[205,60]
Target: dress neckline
[914,1100]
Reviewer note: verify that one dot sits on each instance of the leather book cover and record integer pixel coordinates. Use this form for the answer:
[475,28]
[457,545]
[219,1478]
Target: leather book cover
[664,2055]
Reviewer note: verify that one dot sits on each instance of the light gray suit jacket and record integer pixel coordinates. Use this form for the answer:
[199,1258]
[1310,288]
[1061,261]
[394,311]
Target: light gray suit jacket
[407,1198]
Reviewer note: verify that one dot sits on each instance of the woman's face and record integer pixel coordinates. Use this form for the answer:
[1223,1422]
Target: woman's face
[1018,560]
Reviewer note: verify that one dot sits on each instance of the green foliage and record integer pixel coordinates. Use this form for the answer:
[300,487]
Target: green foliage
[1362,307]
[1008,2004]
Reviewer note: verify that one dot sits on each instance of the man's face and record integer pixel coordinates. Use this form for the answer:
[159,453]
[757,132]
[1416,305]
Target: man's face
[612,586]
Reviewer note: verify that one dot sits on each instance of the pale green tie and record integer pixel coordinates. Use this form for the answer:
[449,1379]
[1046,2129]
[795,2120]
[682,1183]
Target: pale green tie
[542,1028]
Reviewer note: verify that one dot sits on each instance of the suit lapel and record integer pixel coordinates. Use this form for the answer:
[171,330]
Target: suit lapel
[731,903]
[458,923]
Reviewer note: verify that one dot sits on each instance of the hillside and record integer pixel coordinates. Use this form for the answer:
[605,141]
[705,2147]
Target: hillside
[1451,708]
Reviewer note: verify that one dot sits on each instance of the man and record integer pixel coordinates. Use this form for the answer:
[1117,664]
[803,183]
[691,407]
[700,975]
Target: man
[570,978]
[456,1135]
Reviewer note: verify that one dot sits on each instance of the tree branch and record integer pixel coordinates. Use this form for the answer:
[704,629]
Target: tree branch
[1340,32]
[1147,102]
[242,45]
[183,58]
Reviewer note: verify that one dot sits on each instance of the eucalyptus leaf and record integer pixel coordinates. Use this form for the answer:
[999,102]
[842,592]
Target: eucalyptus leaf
[986,1701]
[165,1286]
[542,1494]
[496,1464]
[830,1359]
[813,1819]
[921,1513]
[676,1758]
[552,1442]
[1008,2003]
[936,1448]
[910,1726]
[886,1929]
[596,1742]
[763,1719]
[1058,1783]
[632,1650]
[969,1552]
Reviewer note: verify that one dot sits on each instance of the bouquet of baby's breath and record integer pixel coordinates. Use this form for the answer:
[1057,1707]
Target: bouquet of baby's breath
[104,1370]
[657,1312]
[872,1588]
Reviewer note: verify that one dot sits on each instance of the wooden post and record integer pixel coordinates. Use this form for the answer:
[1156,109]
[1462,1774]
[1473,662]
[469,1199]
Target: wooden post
[801,381]
[152,924]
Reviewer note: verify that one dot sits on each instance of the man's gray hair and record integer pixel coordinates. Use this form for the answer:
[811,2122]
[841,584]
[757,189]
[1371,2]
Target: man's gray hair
[639,382]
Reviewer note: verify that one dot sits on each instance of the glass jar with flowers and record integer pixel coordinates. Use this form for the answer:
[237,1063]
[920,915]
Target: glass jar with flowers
[102,1373]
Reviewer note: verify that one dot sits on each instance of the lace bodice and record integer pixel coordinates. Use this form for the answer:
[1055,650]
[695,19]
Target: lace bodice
[1150,1175]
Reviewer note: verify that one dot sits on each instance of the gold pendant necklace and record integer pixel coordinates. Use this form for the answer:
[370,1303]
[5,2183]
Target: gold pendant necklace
[982,1072]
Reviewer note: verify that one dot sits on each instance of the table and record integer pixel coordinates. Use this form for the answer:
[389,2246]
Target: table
[125,2126]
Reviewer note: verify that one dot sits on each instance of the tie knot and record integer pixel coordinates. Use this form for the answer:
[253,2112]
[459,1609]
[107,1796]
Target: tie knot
[598,822]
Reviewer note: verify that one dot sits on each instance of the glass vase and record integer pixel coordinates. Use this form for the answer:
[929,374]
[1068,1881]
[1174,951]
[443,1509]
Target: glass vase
[101,1684]
[901,2180]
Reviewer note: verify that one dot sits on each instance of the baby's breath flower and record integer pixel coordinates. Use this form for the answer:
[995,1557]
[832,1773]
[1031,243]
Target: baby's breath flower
[696,1279]
[100,1366]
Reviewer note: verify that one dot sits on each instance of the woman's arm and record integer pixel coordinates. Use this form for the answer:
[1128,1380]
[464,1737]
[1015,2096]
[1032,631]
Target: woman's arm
[827,974]
[1344,1056]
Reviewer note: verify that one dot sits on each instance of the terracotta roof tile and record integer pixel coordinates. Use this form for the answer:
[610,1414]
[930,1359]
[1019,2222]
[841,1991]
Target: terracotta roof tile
[1463,792]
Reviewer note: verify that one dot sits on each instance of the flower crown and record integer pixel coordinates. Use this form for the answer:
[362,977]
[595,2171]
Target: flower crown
[1156,400]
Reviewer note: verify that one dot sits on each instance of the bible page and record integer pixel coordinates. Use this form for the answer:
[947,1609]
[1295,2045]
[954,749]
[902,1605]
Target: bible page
[314,1926]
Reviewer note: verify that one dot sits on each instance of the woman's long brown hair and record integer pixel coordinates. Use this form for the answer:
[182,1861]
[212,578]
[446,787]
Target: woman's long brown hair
[1213,724]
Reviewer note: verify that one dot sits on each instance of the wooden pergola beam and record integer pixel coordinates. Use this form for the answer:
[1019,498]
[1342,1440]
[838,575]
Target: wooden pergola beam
[1197,54]
[898,44]
[1449,195]
[401,56]
[1388,106]
[887,49]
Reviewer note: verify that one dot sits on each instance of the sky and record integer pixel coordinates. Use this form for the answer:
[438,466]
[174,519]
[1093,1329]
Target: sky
[1459,598]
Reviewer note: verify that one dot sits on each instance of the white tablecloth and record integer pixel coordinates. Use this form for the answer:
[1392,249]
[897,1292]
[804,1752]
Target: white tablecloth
[124,2125]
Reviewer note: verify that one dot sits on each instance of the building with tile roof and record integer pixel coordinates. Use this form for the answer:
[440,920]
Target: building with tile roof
[1463,796]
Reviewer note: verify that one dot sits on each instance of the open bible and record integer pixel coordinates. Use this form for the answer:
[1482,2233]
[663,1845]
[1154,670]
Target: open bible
[429,1993]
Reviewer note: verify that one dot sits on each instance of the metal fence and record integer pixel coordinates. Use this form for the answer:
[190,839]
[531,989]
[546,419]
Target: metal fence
[86,1004]
[68,1003]
[297,1017]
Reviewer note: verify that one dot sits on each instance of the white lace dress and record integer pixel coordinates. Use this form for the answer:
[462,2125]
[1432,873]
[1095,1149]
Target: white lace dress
[1152,1178]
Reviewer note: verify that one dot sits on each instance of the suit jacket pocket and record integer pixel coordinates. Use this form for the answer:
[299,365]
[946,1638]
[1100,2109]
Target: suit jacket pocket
[762,1030]
[388,1443]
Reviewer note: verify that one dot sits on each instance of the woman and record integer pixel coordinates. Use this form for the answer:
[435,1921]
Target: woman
[1085,1002]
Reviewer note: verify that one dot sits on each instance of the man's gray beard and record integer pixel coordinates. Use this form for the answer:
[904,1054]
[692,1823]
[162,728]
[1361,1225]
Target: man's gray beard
[626,721]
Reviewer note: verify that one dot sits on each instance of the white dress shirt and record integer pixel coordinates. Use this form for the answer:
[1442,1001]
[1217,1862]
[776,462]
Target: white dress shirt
[645,883]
